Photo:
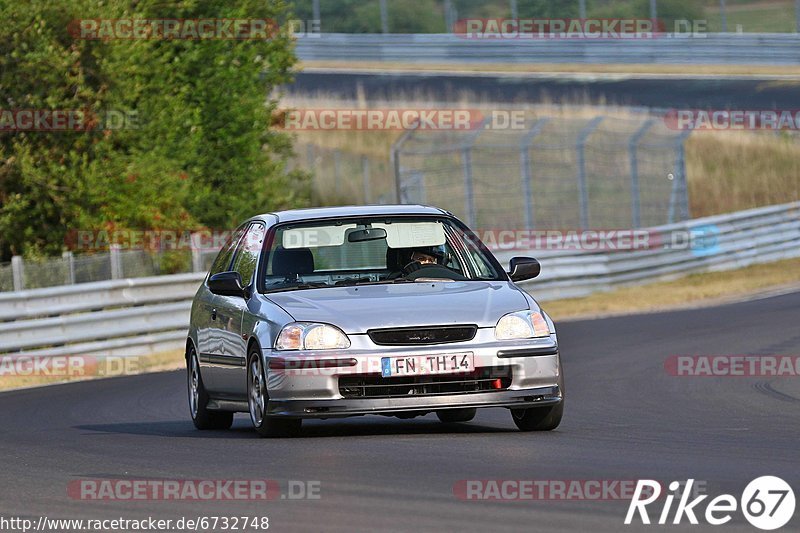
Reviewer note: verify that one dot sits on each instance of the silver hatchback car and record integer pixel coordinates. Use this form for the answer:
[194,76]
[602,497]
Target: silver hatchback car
[390,310]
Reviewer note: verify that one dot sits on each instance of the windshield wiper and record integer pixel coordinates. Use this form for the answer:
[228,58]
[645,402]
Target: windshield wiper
[354,282]
[297,286]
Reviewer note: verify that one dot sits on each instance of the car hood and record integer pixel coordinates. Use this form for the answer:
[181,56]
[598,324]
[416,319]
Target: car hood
[358,309]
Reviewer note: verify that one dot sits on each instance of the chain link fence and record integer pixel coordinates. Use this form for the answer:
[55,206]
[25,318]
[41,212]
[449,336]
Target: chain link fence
[70,269]
[439,16]
[342,177]
[548,173]
[551,174]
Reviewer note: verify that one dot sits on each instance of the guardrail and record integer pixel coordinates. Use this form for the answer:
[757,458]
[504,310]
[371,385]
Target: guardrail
[726,241]
[145,315]
[712,48]
[120,317]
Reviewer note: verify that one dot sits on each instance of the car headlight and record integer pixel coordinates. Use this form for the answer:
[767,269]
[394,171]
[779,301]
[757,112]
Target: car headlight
[521,325]
[311,336]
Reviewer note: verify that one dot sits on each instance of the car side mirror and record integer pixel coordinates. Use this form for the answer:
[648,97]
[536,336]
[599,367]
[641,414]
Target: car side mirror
[226,284]
[522,268]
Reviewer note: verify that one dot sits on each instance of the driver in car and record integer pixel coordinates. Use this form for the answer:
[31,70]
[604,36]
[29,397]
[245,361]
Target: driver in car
[429,262]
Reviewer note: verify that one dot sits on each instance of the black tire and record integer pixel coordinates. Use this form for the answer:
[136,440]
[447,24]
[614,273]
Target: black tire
[450,416]
[202,417]
[542,418]
[257,400]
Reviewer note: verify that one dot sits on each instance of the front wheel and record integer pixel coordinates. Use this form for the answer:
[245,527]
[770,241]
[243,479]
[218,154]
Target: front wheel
[202,417]
[257,399]
[541,418]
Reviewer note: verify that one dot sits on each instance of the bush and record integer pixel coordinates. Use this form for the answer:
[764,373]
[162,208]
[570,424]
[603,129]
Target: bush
[201,153]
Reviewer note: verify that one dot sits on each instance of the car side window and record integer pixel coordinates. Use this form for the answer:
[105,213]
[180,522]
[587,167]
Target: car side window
[247,252]
[224,256]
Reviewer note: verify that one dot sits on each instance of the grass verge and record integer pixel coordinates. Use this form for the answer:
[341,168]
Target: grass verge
[706,288]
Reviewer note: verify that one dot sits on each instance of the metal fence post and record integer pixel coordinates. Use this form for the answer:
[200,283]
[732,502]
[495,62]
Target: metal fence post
[582,9]
[513,8]
[583,187]
[466,164]
[398,188]
[315,13]
[723,14]
[633,147]
[683,186]
[797,16]
[337,170]
[525,169]
[679,194]
[310,158]
[197,253]
[311,162]
[384,17]
[365,176]
[116,261]
[653,10]
[69,259]
[469,194]
[18,272]
[673,198]
[395,161]
[449,16]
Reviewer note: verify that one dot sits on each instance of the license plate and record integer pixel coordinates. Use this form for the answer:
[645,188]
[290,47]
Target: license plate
[423,365]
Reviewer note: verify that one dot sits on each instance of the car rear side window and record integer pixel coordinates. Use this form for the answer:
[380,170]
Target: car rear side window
[223,260]
[247,252]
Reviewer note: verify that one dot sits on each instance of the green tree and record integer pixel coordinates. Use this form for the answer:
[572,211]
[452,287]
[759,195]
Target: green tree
[199,153]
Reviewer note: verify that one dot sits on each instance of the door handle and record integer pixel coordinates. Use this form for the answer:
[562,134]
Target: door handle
[214,314]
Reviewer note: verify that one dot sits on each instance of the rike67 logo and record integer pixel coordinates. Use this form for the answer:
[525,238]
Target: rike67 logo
[767,503]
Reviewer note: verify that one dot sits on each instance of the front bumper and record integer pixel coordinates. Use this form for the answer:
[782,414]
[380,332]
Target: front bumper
[306,384]
[521,399]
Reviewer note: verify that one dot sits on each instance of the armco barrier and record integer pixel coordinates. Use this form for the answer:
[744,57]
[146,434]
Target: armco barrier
[145,315]
[710,49]
[738,239]
[120,317]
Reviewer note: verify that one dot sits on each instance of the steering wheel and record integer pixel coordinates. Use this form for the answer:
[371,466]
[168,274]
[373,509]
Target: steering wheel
[410,267]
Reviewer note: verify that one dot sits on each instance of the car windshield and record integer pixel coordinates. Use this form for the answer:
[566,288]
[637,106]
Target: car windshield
[373,251]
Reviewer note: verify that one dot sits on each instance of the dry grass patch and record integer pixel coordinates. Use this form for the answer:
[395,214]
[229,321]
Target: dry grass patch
[694,289]
[731,171]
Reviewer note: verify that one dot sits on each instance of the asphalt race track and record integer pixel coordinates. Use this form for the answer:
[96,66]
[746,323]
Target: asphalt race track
[626,419]
[628,90]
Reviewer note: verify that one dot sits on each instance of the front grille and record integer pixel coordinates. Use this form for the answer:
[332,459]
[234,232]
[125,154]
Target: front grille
[422,335]
[484,379]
